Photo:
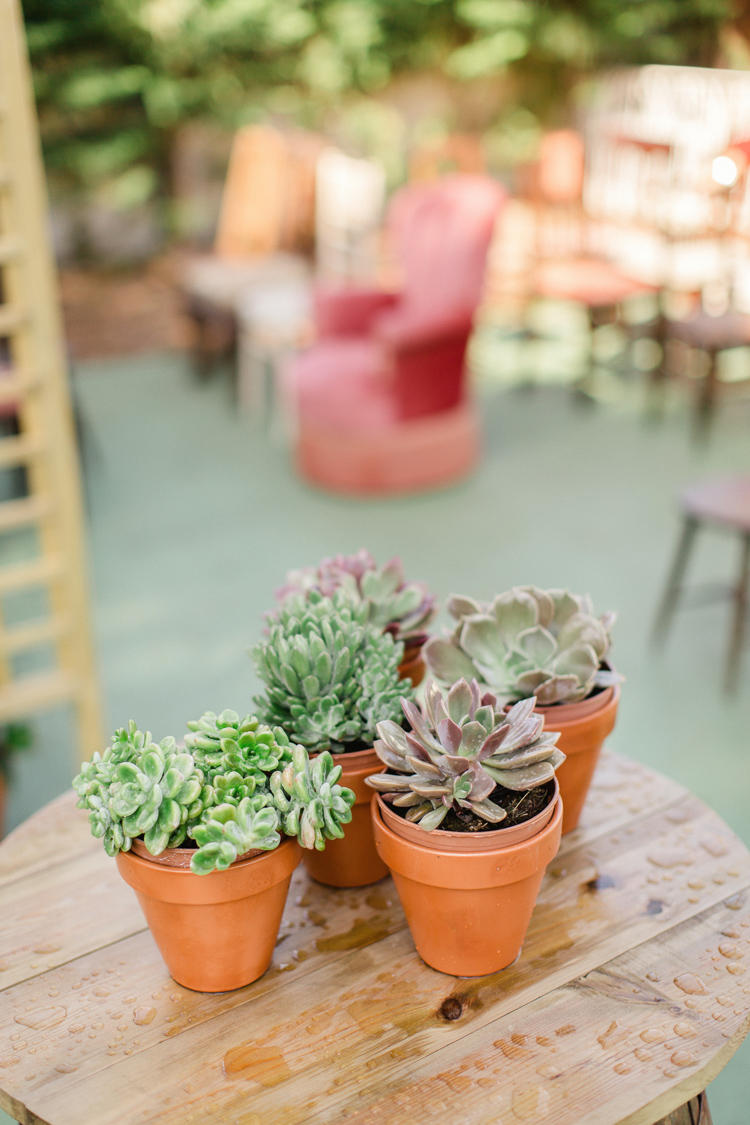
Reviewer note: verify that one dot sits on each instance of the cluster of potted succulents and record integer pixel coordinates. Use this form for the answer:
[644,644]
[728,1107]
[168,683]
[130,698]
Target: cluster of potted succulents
[547,644]
[462,797]
[208,836]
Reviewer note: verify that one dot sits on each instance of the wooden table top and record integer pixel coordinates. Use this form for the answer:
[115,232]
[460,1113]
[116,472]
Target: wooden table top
[630,994]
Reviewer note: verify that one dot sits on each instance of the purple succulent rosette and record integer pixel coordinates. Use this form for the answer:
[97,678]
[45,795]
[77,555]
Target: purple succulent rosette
[393,604]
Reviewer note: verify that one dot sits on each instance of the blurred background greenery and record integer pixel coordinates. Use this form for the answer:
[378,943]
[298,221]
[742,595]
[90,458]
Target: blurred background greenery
[138,99]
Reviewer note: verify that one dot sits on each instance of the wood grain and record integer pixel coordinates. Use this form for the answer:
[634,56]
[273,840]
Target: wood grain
[629,995]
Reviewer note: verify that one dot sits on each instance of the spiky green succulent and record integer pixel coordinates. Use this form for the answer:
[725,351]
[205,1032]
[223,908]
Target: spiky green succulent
[236,786]
[329,675]
[404,608]
[528,641]
[461,746]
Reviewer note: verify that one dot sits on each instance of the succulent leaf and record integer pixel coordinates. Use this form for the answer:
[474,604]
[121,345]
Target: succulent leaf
[458,762]
[361,686]
[392,603]
[528,641]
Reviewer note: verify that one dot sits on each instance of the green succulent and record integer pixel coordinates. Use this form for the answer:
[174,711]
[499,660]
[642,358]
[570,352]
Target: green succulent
[404,608]
[329,675]
[229,830]
[461,746]
[528,641]
[140,788]
[311,805]
[236,786]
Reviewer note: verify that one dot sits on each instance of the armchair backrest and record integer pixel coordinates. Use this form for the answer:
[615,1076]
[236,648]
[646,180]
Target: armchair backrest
[439,233]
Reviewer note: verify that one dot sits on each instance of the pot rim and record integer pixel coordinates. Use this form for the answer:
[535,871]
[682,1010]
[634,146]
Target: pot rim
[467,871]
[246,876]
[456,842]
[181,857]
[580,713]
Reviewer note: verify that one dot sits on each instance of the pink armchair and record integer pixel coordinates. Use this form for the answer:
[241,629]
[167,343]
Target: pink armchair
[383,359]
[406,349]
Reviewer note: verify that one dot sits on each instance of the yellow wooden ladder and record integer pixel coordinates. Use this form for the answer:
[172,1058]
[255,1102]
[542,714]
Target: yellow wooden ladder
[33,381]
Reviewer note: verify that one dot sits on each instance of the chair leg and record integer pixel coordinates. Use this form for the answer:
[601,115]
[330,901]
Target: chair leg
[706,403]
[671,593]
[694,1112]
[734,653]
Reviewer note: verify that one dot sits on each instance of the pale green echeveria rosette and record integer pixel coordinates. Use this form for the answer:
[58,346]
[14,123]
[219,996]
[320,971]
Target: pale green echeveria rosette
[138,787]
[329,675]
[460,747]
[235,788]
[528,641]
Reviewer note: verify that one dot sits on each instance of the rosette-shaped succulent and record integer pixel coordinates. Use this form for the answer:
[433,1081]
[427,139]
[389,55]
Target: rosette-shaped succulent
[329,675]
[312,806]
[528,641]
[140,788]
[461,746]
[404,608]
[236,786]
[227,831]
[236,754]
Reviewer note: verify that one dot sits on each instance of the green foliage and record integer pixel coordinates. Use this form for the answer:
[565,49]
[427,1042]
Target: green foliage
[146,67]
[14,738]
[236,786]
[329,675]
[546,643]
[460,747]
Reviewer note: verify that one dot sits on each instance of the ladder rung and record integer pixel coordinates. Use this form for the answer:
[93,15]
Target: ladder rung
[18,513]
[11,317]
[10,248]
[33,634]
[18,450]
[23,575]
[20,697]
[14,387]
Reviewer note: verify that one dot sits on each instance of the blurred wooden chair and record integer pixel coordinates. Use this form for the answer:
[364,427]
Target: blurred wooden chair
[563,265]
[265,233]
[715,325]
[722,504]
[349,202]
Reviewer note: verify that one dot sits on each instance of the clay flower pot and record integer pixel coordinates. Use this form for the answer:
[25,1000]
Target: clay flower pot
[413,667]
[583,728]
[215,932]
[468,911]
[353,860]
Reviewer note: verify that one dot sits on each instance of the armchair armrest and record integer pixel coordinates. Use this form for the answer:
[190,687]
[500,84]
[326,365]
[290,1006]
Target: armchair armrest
[349,311]
[408,330]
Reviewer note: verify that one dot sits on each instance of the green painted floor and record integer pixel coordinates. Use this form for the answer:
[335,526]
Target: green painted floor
[195,516]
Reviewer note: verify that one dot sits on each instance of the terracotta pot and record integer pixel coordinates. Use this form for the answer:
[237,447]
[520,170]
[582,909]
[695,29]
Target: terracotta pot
[583,728]
[352,861]
[215,932]
[468,841]
[413,667]
[468,913]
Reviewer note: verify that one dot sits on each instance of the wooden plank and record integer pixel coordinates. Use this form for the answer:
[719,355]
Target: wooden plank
[27,848]
[11,318]
[13,387]
[23,696]
[366,988]
[37,572]
[10,249]
[21,513]
[33,634]
[17,450]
